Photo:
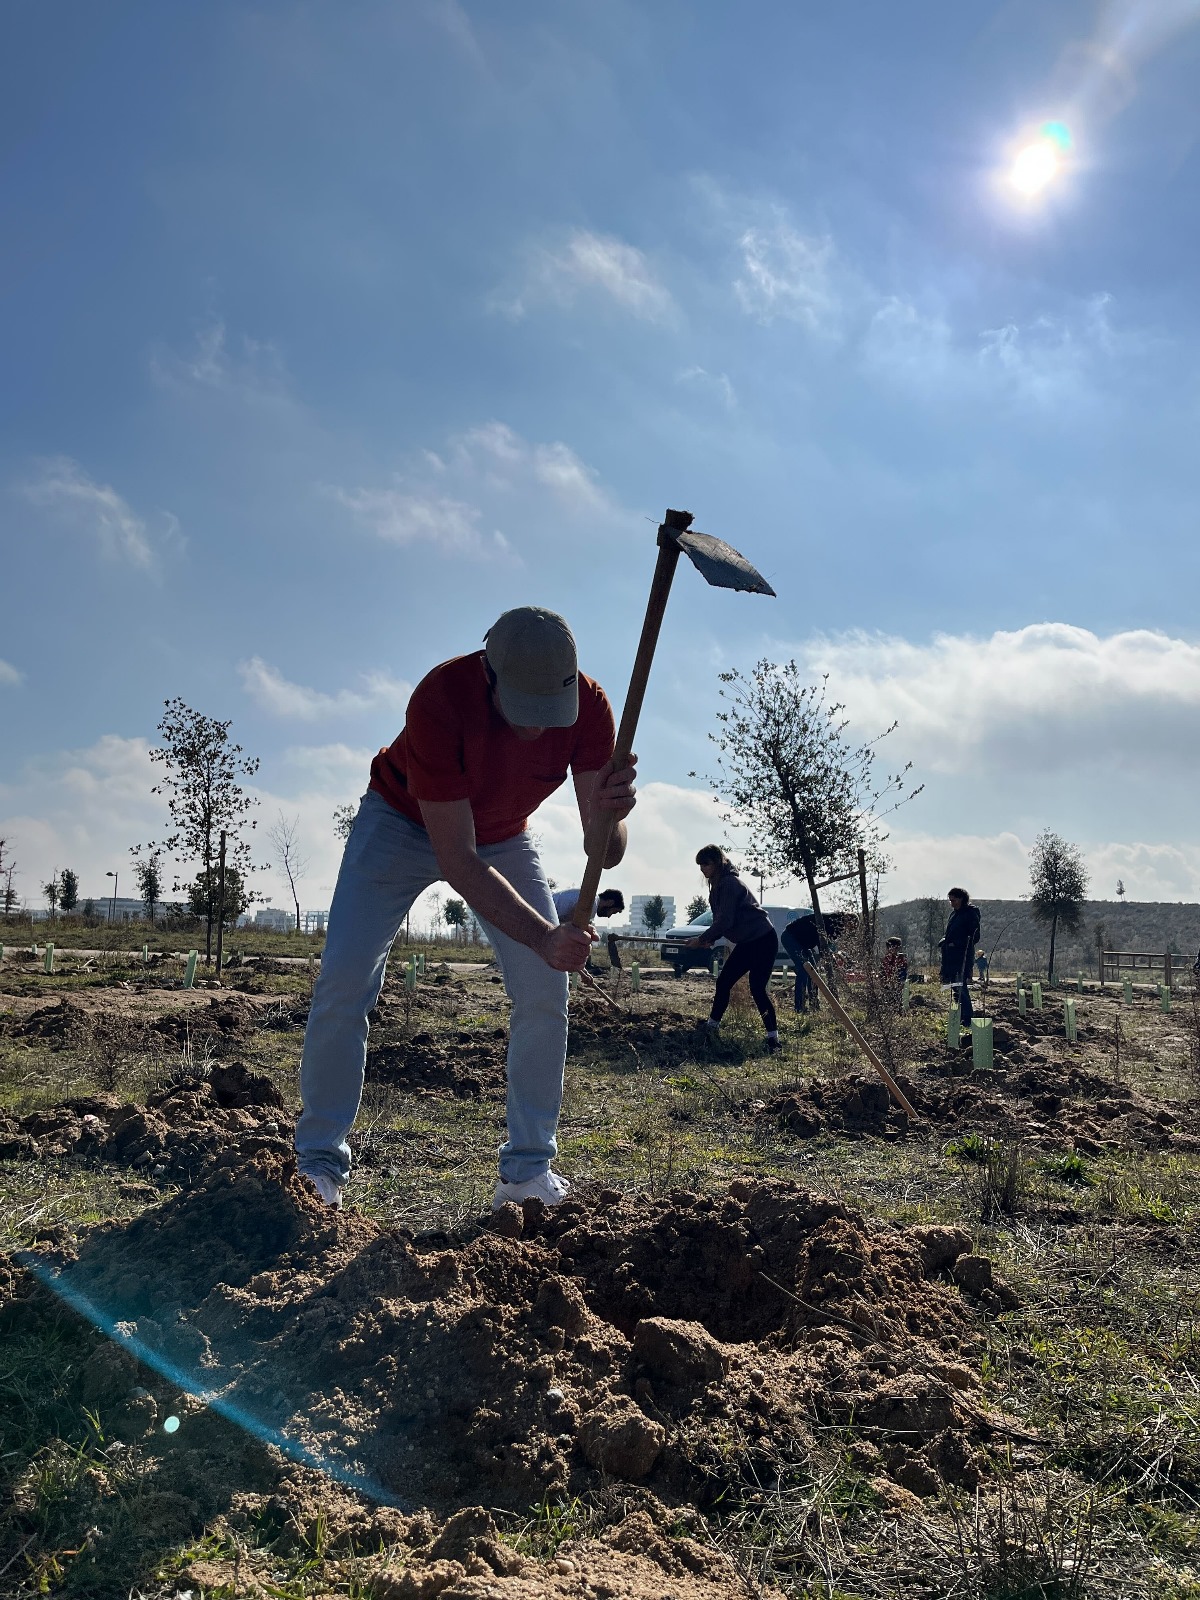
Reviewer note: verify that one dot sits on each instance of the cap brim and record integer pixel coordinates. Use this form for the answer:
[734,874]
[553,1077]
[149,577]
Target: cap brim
[539,710]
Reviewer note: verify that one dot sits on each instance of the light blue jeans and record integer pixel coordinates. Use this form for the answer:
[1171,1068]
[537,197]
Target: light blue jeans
[388,862]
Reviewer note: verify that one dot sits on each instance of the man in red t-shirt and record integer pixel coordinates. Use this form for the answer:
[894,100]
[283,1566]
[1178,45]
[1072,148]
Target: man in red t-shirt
[486,739]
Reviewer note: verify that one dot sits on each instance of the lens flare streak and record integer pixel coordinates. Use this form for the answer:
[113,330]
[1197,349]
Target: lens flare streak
[231,1410]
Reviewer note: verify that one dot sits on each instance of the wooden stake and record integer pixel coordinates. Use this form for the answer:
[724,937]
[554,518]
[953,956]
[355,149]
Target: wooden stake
[868,932]
[220,904]
[839,1012]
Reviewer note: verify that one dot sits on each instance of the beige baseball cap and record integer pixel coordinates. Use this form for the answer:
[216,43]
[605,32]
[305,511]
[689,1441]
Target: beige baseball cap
[532,653]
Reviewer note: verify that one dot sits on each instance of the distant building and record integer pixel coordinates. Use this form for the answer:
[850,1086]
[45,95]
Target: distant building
[315,921]
[274,918]
[106,909]
[637,921]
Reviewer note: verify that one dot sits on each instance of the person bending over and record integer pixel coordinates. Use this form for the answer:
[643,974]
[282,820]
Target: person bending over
[801,939]
[608,903]
[738,917]
[487,737]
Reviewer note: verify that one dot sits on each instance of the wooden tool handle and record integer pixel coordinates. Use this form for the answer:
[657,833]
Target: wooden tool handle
[660,588]
[840,1012]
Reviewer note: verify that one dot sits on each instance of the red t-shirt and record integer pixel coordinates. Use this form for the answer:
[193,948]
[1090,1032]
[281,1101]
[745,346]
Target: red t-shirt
[457,746]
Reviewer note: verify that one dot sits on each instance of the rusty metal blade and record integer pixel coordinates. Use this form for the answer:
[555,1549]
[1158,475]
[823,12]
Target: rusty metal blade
[720,564]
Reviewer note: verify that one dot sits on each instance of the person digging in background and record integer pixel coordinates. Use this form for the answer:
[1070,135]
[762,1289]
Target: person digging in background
[958,950]
[801,940]
[738,917]
[608,903]
[487,737]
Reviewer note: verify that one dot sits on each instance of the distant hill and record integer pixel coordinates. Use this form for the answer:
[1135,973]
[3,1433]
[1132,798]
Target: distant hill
[1022,943]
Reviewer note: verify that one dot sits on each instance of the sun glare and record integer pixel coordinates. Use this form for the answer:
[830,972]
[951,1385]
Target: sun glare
[1034,167]
[1040,160]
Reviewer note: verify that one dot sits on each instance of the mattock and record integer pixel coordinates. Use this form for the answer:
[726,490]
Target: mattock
[719,564]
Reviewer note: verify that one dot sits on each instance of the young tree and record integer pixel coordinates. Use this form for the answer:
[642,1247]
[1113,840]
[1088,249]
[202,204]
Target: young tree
[454,914]
[52,891]
[654,913]
[148,877]
[282,835]
[203,895]
[696,908]
[201,769]
[343,821]
[1121,890]
[88,910]
[68,890]
[1058,882]
[806,795]
[7,868]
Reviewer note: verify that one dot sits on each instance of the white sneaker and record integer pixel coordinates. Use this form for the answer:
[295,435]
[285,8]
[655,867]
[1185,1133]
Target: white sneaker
[547,1187]
[328,1188]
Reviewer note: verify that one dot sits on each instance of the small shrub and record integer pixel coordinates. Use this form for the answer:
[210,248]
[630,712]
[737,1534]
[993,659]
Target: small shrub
[1070,1168]
[996,1182]
[971,1147]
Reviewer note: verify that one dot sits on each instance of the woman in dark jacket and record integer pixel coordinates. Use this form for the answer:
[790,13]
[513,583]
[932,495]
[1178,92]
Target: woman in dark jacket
[958,949]
[738,917]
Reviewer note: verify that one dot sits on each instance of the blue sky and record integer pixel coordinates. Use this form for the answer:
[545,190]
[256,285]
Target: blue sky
[327,333]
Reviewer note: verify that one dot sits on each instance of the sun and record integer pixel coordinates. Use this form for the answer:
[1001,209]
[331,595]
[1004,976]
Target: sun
[1036,165]
[1039,161]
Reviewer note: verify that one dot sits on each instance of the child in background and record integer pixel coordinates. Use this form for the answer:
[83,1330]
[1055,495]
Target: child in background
[894,966]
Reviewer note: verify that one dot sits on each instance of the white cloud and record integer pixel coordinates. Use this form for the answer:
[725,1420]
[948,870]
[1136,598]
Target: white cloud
[438,521]
[268,688]
[920,340]
[996,867]
[252,370]
[713,382]
[592,263]
[788,274]
[84,809]
[81,809]
[508,461]
[64,489]
[9,676]
[490,473]
[1043,698]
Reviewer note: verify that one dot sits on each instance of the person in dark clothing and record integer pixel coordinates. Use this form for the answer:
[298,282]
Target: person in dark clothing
[958,950]
[801,939]
[738,917]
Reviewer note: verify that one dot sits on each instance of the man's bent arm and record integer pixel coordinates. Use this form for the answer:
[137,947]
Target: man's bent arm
[599,794]
[451,829]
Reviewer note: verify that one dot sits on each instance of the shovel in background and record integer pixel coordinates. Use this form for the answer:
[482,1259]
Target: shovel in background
[719,564]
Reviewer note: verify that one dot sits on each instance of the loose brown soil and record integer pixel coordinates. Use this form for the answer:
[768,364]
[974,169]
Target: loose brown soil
[610,1379]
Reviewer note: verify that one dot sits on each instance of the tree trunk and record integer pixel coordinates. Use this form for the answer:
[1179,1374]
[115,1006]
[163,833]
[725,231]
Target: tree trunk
[1053,932]
[823,944]
[296,898]
[208,899]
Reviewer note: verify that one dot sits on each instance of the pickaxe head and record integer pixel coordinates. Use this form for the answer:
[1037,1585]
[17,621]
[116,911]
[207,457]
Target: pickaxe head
[717,563]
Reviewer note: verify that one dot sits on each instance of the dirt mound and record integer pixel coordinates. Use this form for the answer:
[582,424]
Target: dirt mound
[857,1104]
[172,1136]
[469,1065]
[1047,1103]
[595,1029]
[224,1024]
[671,1343]
[1052,1104]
